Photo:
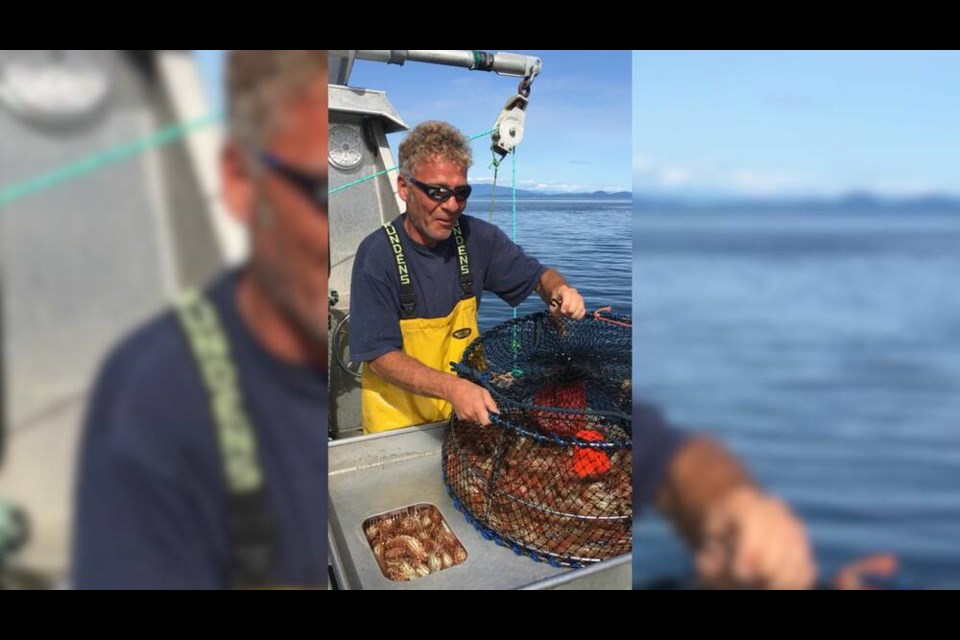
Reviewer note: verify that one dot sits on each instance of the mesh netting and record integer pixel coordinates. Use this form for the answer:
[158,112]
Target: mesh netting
[551,477]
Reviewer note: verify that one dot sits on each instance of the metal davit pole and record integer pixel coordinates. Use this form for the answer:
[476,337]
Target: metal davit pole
[501,63]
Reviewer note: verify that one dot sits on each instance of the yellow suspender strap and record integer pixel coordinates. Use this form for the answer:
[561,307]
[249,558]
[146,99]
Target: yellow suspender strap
[251,533]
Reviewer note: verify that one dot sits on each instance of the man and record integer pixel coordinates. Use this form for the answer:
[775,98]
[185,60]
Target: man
[740,535]
[417,284]
[203,463]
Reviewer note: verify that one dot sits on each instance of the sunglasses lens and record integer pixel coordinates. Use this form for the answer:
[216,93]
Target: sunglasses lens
[442,194]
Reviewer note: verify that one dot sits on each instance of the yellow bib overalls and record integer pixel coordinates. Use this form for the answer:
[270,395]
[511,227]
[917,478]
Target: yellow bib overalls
[436,342]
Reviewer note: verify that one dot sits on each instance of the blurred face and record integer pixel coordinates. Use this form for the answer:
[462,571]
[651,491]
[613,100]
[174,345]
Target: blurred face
[430,222]
[289,229]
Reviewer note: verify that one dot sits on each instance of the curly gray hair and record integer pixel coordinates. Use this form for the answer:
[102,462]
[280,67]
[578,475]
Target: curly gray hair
[258,80]
[434,139]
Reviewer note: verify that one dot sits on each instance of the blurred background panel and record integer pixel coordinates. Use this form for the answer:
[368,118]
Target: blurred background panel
[796,268]
[107,208]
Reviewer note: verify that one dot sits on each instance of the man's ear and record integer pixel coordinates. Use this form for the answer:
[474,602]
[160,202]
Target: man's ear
[237,182]
[403,189]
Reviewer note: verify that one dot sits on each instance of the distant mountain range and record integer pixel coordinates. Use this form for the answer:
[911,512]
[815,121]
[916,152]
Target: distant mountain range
[855,202]
[483,191]
[858,202]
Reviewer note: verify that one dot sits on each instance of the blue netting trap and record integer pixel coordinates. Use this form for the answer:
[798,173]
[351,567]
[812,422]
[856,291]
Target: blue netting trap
[551,477]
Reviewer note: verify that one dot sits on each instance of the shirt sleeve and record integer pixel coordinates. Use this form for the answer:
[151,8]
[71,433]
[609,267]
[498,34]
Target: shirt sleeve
[655,444]
[138,523]
[374,310]
[511,273]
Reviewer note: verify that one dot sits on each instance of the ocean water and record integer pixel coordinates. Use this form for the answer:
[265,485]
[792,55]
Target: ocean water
[588,241]
[825,352]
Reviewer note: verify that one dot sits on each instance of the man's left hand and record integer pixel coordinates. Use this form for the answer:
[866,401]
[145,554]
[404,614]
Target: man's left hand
[570,303]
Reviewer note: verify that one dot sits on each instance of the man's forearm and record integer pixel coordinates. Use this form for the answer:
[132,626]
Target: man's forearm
[702,473]
[411,375]
[470,402]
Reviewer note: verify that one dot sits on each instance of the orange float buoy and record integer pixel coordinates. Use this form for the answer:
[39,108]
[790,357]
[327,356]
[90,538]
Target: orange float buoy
[561,396]
[589,462]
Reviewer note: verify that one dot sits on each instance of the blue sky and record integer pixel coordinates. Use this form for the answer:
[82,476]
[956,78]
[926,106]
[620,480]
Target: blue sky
[211,70]
[578,122]
[782,124]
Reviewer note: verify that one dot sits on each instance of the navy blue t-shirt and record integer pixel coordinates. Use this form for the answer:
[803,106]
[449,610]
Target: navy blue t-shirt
[655,443]
[497,264]
[151,492]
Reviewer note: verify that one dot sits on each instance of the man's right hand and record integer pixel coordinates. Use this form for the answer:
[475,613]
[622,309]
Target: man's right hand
[472,402]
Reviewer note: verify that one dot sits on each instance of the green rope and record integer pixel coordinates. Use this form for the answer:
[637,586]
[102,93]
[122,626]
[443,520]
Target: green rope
[102,159]
[513,155]
[362,180]
[515,344]
[495,165]
[108,157]
[393,168]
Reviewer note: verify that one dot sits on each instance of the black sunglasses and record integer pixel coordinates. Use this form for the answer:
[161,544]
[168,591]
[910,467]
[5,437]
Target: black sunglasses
[439,193]
[316,189]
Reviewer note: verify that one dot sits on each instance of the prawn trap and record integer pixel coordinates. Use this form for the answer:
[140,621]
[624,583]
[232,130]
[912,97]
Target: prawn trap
[551,477]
